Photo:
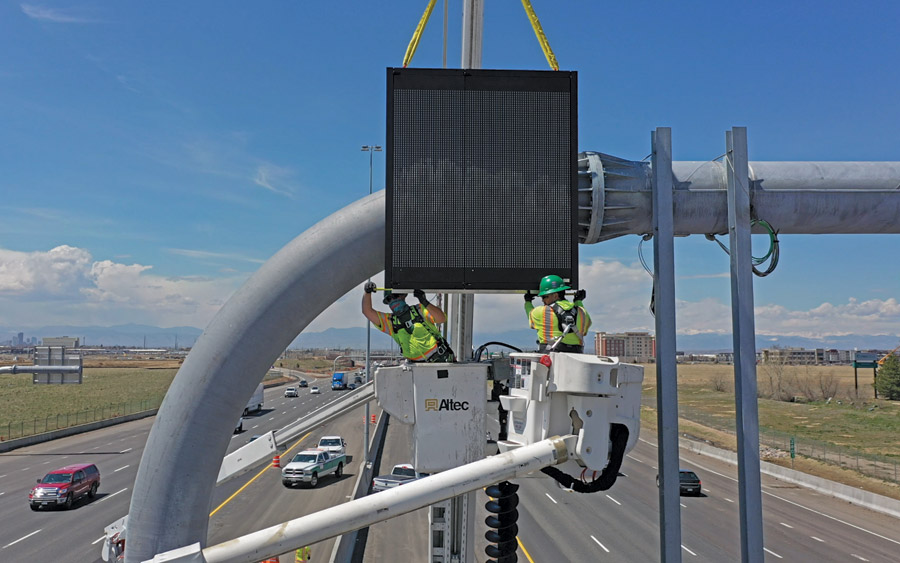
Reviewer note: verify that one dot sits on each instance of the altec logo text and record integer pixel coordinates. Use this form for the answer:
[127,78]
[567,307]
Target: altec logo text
[446,405]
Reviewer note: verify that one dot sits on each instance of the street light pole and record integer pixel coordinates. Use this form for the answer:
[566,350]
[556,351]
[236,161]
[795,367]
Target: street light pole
[371,149]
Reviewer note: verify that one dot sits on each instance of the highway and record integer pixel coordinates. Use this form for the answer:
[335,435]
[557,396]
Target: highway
[621,524]
[554,525]
[76,535]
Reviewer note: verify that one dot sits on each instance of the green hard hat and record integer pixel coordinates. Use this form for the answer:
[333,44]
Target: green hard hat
[552,284]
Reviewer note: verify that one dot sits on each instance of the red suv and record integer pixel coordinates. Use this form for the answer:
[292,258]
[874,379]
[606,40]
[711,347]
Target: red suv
[65,485]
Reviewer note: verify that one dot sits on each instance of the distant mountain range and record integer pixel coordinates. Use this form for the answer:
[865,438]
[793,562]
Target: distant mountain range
[136,335]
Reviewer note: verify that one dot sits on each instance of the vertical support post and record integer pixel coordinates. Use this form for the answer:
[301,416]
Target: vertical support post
[472,32]
[460,522]
[666,369]
[743,330]
[462,310]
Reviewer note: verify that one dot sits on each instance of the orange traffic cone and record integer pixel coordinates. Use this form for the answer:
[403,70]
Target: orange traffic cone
[276,461]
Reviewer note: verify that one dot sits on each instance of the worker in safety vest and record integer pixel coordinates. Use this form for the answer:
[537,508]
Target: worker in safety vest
[412,327]
[302,555]
[558,316]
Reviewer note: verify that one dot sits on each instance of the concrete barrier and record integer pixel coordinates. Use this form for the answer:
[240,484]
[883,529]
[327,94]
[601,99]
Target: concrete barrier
[859,497]
[72,430]
[345,545]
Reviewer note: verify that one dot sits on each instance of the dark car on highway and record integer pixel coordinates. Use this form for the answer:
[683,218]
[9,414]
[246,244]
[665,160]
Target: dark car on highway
[688,483]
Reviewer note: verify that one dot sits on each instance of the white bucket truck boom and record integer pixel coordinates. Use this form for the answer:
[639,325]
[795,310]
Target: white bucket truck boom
[593,402]
[595,398]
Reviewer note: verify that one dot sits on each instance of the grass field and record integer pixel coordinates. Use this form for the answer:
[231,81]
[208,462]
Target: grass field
[705,393]
[845,423]
[101,387]
[867,424]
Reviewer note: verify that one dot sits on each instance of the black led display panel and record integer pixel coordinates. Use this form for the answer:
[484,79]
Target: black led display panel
[481,178]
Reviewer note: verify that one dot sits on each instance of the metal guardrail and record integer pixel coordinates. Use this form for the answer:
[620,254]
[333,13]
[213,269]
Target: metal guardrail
[253,453]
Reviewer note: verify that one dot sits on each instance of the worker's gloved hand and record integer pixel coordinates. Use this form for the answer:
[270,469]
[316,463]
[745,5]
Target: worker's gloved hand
[580,295]
[529,296]
[420,295]
[369,287]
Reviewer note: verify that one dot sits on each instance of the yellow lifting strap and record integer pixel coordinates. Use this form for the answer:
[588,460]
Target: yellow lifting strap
[539,32]
[414,42]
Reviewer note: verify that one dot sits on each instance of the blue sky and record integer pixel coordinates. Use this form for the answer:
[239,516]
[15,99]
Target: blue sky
[154,155]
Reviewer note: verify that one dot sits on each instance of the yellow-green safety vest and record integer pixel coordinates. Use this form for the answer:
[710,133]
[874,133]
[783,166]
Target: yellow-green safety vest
[543,319]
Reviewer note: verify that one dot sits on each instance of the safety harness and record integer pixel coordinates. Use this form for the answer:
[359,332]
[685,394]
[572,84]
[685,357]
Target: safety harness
[407,321]
[566,318]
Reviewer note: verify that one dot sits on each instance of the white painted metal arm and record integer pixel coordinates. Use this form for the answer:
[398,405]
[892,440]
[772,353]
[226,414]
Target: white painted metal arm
[369,510]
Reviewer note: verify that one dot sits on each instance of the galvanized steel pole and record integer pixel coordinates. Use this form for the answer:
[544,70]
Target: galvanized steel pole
[794,197]
[744,338]
[666,370]
[173,489]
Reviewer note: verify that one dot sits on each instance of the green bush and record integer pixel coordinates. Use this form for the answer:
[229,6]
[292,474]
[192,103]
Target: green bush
[887,383]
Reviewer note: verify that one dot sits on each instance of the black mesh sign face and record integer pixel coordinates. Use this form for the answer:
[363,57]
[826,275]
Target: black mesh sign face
[481,178]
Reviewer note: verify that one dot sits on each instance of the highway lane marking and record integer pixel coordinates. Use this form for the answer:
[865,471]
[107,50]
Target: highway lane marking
[98,540]
[20,539]
[798,505]
[26,469]
[614,500]
[772,552]
[126,451]
[270,419]
[121,468]
[45,463]
[689,551]
[728,499]
[786,525]
[4,475]
[2,493]
[860,557]
[252,427]
[817,539]
[525,551]
[598,543]
[634,458]
[95,447]
[551,498]
[258,475]
[112,495]
[682,505]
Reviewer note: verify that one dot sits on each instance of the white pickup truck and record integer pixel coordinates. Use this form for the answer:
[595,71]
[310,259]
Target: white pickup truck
[332,444]
[399,475]
[309,465]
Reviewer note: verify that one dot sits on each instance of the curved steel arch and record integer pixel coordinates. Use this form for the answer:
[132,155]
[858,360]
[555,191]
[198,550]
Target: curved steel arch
[173,490]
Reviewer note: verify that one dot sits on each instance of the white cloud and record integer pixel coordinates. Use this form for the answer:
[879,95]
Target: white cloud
[274,178]
[56,272]
[190,253]
[51,15]
[65,285]
[706,276]
[871,316]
